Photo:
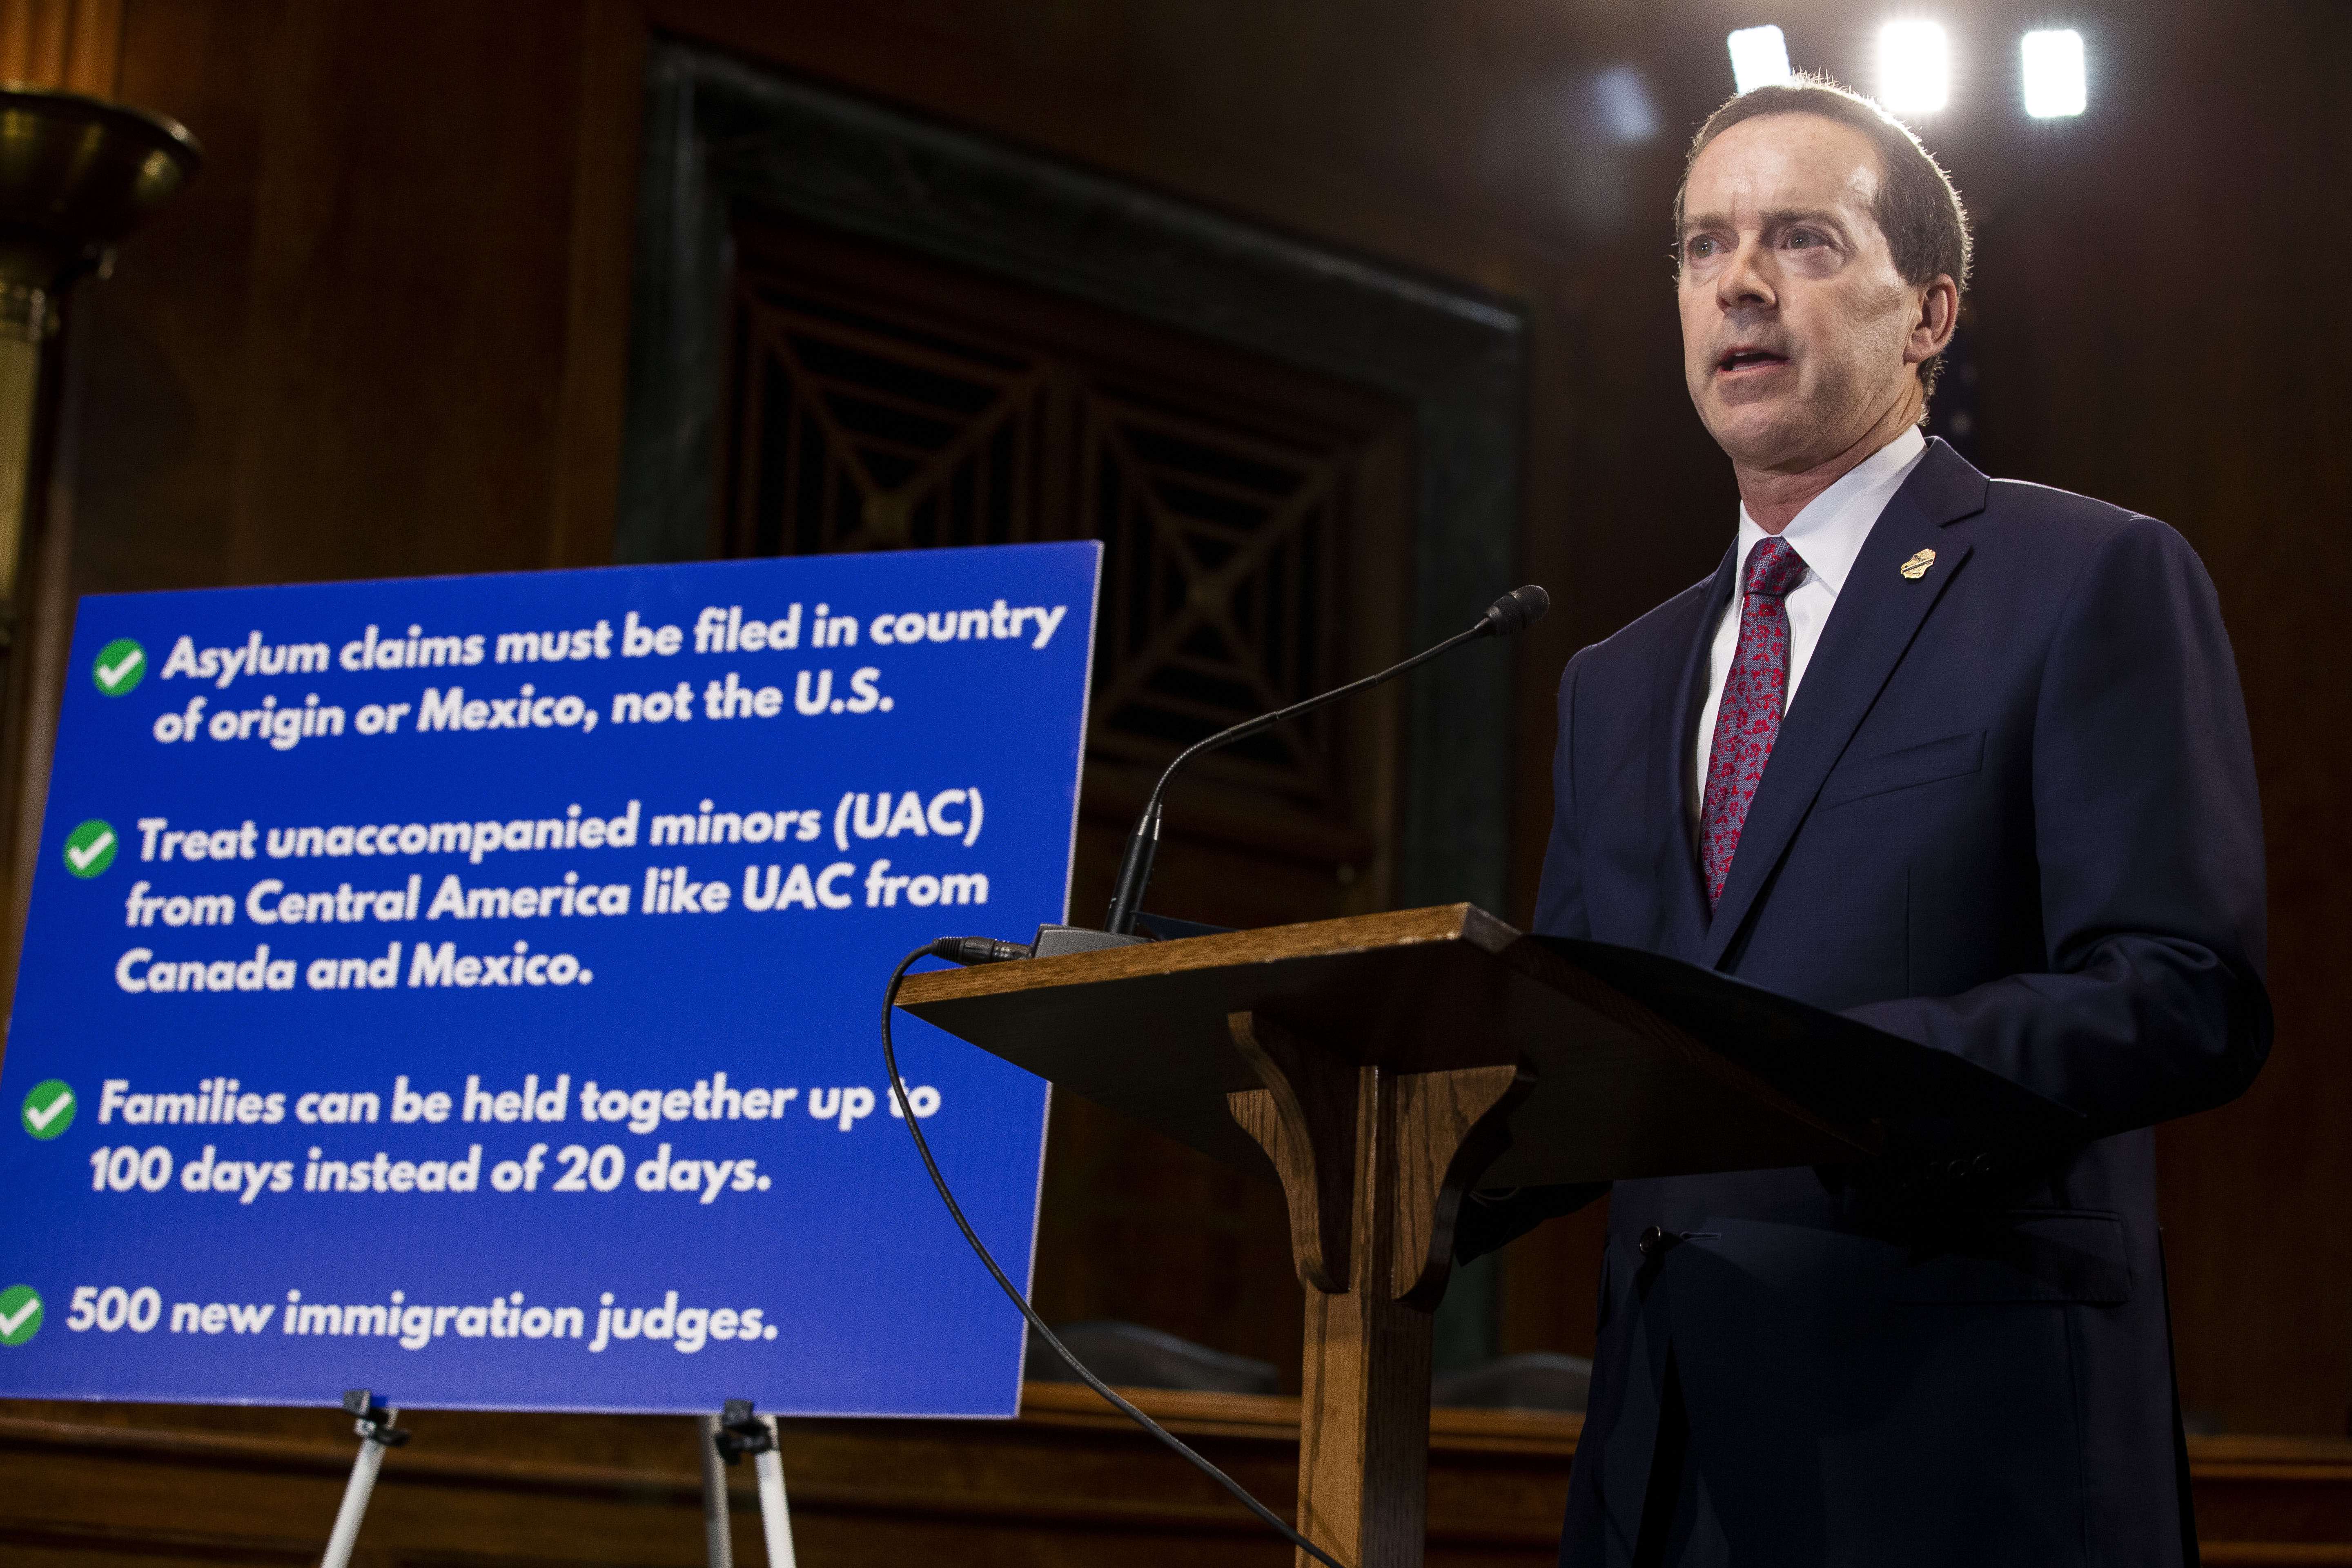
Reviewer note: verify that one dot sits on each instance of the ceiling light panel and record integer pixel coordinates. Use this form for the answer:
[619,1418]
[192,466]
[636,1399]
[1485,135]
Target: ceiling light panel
[1760,57]
[1915,67]
[2056,85]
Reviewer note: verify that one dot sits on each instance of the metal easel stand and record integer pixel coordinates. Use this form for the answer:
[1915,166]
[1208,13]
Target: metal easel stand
[732,1436]
[376,1434]
[718,1542]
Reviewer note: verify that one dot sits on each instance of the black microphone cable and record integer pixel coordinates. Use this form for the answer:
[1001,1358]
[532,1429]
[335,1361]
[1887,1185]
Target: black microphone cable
[984,949]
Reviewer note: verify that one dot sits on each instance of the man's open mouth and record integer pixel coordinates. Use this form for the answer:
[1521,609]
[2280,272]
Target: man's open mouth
[1749,359]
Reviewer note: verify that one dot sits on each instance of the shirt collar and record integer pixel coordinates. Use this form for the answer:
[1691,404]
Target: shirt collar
[1829,532]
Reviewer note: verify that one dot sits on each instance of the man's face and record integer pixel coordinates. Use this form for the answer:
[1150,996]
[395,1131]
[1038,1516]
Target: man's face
[1795,321]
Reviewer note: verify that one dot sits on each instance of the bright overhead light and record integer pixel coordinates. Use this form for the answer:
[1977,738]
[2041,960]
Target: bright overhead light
[2055,82]
[1915,67]
[1760,57]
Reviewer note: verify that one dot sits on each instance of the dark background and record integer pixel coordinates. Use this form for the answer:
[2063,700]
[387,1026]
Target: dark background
[386,332]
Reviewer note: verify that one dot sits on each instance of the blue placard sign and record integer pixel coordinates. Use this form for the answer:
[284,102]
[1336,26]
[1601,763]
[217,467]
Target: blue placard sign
[466,988]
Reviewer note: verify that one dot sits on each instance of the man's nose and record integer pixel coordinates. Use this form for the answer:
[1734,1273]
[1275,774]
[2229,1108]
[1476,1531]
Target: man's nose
[1746,280]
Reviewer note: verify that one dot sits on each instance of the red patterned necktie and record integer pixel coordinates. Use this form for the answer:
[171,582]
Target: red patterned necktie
[1748,721]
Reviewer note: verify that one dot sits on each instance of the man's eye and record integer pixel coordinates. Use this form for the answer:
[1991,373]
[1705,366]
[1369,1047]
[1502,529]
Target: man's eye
[1803,238]
[1702,247]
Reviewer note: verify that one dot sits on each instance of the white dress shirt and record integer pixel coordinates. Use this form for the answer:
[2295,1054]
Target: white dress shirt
[1827,535]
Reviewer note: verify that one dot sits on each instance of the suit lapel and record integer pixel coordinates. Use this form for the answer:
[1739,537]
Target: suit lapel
[1681,688]
[1877,614]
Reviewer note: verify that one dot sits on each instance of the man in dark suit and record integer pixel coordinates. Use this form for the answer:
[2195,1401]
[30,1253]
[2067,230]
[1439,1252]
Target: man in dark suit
[1966,759]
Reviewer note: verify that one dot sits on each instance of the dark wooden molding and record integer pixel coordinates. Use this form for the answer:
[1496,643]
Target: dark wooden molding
[2262,1499]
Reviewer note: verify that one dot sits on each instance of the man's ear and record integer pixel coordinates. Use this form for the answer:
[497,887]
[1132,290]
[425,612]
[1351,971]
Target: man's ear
[1939,313]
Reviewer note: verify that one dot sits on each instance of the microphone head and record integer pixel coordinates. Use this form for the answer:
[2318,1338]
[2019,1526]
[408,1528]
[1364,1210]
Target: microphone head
[1514,612]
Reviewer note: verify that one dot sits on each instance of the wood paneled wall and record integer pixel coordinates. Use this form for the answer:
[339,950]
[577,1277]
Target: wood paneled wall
[1069,1482]
[71,44]
[386,333]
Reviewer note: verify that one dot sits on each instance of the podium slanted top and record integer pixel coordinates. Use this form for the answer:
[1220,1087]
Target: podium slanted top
[1645,1065]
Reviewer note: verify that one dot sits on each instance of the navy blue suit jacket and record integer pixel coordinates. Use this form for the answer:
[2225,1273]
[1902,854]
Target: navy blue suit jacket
[2011,815]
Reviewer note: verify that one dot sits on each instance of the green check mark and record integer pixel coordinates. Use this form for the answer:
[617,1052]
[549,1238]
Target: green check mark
[48,1109]
[89,848]
[120,665]
[20,1314]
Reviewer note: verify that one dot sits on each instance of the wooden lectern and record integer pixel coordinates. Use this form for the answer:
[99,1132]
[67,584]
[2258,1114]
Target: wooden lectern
[1388,1065]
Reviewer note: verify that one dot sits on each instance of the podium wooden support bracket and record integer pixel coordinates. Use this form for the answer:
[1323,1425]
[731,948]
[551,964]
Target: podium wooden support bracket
[1375,1165]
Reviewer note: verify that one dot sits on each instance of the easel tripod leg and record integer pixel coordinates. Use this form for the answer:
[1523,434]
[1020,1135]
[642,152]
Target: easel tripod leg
[776,1514]
[717,1543]
[737,1432]
[376,1433]
[354,1509]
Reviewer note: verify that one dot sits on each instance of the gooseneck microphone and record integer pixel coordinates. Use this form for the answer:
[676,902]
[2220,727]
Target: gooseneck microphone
[1512,613]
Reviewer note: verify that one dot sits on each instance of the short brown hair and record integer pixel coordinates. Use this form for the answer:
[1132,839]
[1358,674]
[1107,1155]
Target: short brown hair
[1918,209]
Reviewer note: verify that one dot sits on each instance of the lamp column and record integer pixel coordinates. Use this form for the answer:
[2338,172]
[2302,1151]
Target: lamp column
[77,175]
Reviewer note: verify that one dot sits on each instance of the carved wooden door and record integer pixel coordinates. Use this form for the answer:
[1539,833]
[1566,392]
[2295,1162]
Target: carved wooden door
[1255,521]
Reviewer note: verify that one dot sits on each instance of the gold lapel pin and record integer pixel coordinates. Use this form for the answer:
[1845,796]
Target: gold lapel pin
[1916,567]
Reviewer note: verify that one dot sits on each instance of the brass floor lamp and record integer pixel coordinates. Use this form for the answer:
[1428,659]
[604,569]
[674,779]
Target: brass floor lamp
[77,175]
